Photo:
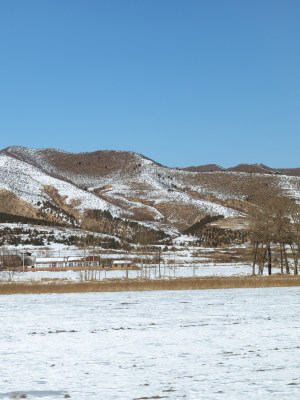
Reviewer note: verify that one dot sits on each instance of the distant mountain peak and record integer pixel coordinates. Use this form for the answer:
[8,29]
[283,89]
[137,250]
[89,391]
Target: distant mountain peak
[204,168]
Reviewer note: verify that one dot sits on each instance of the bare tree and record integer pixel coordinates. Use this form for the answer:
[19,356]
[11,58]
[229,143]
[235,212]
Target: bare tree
[295,244]
[10,262]
[271,226]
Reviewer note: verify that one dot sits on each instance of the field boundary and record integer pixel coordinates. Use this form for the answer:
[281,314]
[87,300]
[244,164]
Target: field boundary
[120,285]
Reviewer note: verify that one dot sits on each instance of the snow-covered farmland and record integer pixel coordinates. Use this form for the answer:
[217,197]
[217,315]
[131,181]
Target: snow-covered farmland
[220,344]
[152,272]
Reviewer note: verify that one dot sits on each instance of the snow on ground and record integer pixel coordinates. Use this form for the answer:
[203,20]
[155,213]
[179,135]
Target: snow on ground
[152,272]
[184,239]
[221,344]
[291,185]
[189,261]
[48,234]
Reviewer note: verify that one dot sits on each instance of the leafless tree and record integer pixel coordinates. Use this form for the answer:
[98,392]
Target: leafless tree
[275,226]
[295,244]
[10,262]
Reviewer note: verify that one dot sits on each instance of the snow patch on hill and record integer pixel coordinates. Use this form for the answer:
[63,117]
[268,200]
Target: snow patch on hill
[27,182]
[291,185]
[157,185]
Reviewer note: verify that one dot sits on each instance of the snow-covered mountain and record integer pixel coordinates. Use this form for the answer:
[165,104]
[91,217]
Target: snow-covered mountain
[43,182]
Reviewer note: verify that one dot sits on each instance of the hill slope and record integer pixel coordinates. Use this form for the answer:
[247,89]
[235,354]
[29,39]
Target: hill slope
[247,168]
[57,185]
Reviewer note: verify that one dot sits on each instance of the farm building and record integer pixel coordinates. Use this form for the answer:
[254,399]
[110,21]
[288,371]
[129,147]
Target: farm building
[75,262]
[122,264]
[63,262]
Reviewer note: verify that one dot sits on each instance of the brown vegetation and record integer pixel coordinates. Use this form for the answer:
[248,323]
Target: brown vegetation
[180,215]
[11,204]
[119,285]
[9,262]
[61,201]
[275,227]
[246,168]
[61,164]
[104,222]
[204,168]
[210,236]
[246,186]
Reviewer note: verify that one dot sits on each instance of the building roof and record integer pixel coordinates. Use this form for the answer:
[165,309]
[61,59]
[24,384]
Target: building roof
[56,259]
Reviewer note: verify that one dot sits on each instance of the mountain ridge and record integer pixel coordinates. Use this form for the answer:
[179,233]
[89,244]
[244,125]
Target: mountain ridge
[242,167]
[257,168]
[62,186]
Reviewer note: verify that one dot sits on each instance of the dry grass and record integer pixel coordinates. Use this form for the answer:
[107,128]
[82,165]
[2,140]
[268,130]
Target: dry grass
[61,201]
[11,204]
[119,285]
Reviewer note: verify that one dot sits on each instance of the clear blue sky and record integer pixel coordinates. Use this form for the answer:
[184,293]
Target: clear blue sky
[184,82]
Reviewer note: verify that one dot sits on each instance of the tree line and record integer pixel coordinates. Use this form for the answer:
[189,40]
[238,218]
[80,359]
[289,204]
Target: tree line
[274,229]
[131,231]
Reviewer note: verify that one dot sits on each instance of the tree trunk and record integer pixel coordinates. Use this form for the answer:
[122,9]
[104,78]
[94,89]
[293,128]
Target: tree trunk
[281,259]
[295,257]
[296,264]
[287,268]
[262,261]
[269,259]
[255,248]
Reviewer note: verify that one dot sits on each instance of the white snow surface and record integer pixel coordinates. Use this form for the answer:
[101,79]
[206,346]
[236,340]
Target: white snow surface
[152,272]
[198,345]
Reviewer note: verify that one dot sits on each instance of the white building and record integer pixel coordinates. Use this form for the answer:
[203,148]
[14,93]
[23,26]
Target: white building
[63,262]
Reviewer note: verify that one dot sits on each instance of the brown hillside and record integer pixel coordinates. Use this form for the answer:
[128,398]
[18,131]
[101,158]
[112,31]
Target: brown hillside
[252,168]
[204,168]
[11,204]
[63,165]
[290,171]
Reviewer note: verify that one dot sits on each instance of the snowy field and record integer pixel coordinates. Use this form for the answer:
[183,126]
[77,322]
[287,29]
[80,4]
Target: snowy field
[208,344]
[166,272]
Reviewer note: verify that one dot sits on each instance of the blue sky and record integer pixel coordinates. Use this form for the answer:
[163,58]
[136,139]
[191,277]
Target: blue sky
[183,82]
